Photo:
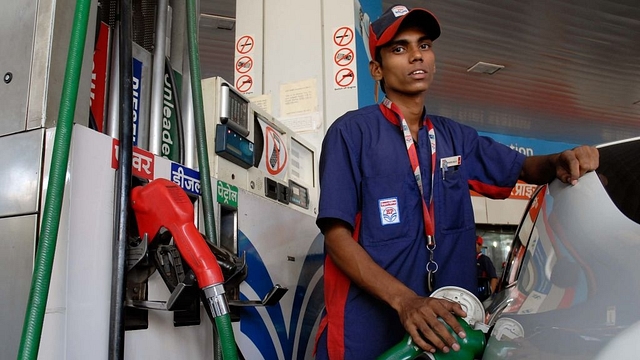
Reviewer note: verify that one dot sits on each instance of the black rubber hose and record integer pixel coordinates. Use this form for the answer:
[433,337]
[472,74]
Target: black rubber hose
[123,184]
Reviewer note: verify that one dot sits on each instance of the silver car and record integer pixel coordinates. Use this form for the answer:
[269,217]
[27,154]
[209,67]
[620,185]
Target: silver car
[571,286]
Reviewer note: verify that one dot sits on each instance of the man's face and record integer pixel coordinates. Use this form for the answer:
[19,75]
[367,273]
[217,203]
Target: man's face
[408,63]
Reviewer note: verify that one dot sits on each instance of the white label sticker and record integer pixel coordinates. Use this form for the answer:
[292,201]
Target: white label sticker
[450,161]
[399,10]
[389,211]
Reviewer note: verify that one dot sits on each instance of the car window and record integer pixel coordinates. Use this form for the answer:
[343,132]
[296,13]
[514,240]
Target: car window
[522,237]
[619,172]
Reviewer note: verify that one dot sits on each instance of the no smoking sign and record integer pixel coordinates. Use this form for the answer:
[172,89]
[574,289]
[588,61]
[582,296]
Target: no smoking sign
[343,36]
[244,45]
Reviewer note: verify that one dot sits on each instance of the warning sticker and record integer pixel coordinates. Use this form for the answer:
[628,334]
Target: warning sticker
[343,36]
[344,77]
[244,64]
[244,45]
[343,57]
[275,152]
[244,83]
[275,156]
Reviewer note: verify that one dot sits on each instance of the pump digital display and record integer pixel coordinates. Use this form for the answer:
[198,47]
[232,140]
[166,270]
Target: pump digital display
[298,195]
[233,146]
[301,162]
[234,110]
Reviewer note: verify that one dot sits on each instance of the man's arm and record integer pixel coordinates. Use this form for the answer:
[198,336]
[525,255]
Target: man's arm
[419,315]
[493,283]
[493,275]
[567,166]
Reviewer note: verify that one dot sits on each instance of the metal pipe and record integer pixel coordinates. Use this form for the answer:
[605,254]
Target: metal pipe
[112,129]
[188,121]
[157,87]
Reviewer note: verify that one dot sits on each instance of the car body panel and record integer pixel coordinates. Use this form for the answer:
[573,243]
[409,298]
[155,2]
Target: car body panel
[572,280]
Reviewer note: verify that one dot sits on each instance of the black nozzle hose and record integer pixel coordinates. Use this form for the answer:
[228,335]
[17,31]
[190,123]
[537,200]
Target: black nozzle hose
[123,184]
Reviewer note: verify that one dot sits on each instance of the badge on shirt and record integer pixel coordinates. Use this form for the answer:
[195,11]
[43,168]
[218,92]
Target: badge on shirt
[389,211]
[450,161]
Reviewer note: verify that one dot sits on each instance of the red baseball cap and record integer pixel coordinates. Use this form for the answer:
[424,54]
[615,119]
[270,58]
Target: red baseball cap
[479,240]
[386,26]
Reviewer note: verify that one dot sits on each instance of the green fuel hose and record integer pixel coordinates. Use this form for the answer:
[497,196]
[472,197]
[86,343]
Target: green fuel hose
[227,340]
[34,317]
[223,323]
[198,109]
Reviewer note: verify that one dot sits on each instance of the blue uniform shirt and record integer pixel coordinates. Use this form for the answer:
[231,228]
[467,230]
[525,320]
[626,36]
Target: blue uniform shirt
[364,165]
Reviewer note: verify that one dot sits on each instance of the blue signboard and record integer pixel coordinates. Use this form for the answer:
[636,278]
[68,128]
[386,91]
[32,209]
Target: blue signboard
[137,81]
[529,146]
[366,12]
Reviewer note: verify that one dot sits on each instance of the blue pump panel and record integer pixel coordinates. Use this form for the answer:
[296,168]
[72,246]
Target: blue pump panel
[233,146]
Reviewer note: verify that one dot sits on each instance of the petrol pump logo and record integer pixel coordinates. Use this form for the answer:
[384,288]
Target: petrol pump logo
[389,211]
[275,151]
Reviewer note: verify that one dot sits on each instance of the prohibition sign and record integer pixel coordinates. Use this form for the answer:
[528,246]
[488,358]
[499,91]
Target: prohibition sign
[343,36]
[343,57]
[344,77]
[244,44]
[244,64]
[275,153]
[244,83]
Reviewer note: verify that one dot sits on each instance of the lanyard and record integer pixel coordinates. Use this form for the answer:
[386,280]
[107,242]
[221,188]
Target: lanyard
[393,113]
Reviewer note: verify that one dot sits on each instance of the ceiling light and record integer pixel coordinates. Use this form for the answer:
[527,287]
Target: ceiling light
[485,68]
[217,21]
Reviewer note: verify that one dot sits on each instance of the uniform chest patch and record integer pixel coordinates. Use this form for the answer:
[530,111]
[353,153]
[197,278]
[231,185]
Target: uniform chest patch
[389,211]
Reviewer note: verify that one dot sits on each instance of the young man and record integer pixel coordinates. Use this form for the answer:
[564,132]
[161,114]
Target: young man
[395,208]
[487,276]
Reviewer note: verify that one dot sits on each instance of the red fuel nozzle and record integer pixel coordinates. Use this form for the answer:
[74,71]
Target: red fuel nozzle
[161,203]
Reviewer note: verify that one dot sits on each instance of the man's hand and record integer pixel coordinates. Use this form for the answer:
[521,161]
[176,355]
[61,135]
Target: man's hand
[419,316]
[572,164]
[567,166]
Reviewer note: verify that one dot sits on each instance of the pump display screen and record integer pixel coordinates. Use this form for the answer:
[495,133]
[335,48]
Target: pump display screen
[301,163]
[234,110]
[238,110]
[298,195]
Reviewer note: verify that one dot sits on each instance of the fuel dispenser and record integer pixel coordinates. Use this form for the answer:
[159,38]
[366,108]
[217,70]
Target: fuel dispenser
[266,191]
[269,252]
[266,194]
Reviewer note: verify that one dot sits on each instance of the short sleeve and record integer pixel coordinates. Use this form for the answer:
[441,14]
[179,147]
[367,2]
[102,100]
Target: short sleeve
[340,177]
